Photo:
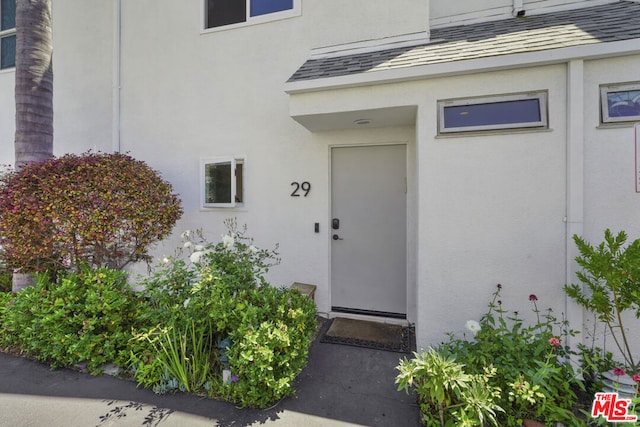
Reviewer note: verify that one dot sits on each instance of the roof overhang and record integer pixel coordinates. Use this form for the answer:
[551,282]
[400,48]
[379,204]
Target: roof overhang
[473,66]
[358,119]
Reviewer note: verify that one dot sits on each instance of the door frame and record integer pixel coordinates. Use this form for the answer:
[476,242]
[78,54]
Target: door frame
[329,233]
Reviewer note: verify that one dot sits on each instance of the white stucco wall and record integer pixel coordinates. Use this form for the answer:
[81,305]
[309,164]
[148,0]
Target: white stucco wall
[7,116]
[444,13]
[610,197]
[491,207]
[83,70]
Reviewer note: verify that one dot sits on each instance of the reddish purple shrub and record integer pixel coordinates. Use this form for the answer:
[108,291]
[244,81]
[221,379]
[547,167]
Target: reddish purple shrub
[96,209]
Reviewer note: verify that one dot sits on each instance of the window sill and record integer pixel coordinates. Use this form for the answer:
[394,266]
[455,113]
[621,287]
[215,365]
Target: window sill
[617,125]
[491,132]
[222,209]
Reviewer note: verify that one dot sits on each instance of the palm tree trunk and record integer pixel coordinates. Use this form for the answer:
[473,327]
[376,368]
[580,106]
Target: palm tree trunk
[33,92]
[34,82]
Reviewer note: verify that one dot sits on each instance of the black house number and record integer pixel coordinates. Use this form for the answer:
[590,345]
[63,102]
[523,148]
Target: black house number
[300,187]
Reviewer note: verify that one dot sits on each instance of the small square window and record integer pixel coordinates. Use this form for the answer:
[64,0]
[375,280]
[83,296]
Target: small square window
[221,13]
[492,113]
[222,182]
[620,103]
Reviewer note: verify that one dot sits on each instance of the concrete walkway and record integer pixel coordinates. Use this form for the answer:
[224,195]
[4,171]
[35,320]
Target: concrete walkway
[341,386]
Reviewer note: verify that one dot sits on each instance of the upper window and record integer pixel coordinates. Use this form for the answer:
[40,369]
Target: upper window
[7,34]
[620,103]
[222,182]
[220,13]
[526,110]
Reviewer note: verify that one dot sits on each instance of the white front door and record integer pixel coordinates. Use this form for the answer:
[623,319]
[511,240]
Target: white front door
[368,230]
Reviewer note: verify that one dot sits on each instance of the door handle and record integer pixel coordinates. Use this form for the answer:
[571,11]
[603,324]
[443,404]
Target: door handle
[336,237]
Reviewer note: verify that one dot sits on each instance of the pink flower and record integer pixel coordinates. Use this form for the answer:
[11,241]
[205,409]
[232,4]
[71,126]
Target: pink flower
[636,378]
[555,342]
[533,297]
[618,372]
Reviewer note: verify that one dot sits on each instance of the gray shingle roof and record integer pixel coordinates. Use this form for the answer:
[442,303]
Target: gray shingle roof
[599,24]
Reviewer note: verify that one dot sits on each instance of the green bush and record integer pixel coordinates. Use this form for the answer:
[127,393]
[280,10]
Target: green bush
[83,318]
[533,374]
[448,396]
[259,333]
[5,280]
[93,209]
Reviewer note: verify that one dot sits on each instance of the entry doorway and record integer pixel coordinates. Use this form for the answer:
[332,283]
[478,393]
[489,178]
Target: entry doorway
[369,230]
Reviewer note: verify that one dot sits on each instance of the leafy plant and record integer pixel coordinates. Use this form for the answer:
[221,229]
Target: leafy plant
[185,356]
[449,396]
[218,291]
[93,209]
[83,318]
[611,274]
[533,372]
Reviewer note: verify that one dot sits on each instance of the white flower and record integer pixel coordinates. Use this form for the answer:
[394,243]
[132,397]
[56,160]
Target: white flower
[253,249]
[198,248]
[473,326]
[186,302]
[186,234]
[187,244]
[228,241]
[165,260]
[195,257]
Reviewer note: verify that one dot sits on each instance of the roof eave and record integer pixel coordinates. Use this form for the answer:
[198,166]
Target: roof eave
[491,63]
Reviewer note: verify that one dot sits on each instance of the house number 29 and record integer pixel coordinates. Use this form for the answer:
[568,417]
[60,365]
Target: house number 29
[299,187]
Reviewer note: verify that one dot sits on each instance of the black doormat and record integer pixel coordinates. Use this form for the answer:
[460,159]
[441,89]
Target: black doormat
[362,333]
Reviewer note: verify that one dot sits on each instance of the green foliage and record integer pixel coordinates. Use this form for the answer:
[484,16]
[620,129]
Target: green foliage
[448,396]
[611,275]
[93,209]
[220,293]
[185,356]
[533,373]
[83,318]
[5,280]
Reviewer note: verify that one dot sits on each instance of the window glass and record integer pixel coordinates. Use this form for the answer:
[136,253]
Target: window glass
[217,187]
[262,7]
[494,112]
[624,104]
[7,14]
[225,12]
[8,52]
[223,184]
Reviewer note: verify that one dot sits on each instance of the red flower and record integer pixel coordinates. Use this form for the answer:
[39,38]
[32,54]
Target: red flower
[499,286]
[618,372]
[636,378]
[555,342]
[533,297]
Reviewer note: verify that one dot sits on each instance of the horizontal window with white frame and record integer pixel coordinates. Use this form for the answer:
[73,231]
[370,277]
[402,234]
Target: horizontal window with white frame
[7,34]
[499,112]
[620,102]
[226,13]
[222,182]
